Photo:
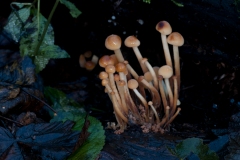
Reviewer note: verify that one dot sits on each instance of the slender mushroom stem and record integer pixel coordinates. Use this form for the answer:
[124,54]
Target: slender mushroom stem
[131,70]
[162,92]
[133,84]
[175,96]
[155,95]
[110,69]
[155,81]
[154,111]
[82,61]
[120,85]
[173,117]
[133,42]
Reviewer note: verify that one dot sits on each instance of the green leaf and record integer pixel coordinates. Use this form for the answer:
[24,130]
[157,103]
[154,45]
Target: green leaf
[67,109]
[47,50]
[73,9]
[16,21]
[196,146]
[46,53]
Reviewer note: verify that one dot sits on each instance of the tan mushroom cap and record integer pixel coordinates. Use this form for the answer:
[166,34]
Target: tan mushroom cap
[110,69]
[132,84]
[113,42]
[103,75]
[175,39]
[131,41]
[166,71]
[89,65]
[105,60]
[164,27]
[121,67]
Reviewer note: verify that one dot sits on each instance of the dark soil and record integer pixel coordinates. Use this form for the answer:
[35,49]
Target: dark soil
[210,61]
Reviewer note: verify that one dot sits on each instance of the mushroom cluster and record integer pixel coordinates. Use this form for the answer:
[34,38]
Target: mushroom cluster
[149,100]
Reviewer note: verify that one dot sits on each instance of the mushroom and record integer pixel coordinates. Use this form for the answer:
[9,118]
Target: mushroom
[154,111]
[167,71]
[110,69]
[133,43]
[89,65]
[155,81]
[94,59]
[114,42]
[105,60]
[133,84]
[173,117]
[165,29]
[82,60]
[176,40]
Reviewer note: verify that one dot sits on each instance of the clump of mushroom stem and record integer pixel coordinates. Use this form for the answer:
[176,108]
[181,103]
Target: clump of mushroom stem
[129,92]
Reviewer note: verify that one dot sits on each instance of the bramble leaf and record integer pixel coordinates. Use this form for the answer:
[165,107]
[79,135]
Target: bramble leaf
[67,109]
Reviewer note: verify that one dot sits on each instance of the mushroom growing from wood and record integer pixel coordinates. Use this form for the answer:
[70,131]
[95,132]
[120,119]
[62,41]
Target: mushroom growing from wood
[161,109]
[176,39]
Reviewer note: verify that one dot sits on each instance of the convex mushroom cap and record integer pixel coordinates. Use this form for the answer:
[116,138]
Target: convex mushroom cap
[164,27]
[132,84]
[131,41]
[113,42]
[175,39]
[166,71]
[106,60]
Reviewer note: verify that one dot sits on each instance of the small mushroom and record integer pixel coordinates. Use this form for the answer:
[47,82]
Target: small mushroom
[133,43]
[167,72]
[165,29]
[133,84]
[176,40]
[114,42]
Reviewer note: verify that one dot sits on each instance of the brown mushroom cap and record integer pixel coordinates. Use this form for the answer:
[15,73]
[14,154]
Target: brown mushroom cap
[103,75]
[110,69]
[121,67]
[113,42]
[89,65]
[105,60]
[166,71]
[131,41]
[175,39]
[132,84]
[164,27]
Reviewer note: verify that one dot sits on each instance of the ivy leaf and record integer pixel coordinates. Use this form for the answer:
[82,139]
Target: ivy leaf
[195,146]
[73,9]
[67,109]
[46,140]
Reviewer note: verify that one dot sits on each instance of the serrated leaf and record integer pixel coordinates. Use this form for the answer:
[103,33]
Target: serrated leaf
[16,21]
[65,111]
[195,146]
[74,11]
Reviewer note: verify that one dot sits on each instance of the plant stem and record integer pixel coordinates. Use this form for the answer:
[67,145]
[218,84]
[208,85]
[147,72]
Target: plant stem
[46,27]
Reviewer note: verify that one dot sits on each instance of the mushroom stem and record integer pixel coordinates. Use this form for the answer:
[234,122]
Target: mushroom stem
[133,84]
[173,117]
[139,57]
[151,70]
[162,92]
[175,97]
[155,95]
[154,111]
[121,85]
